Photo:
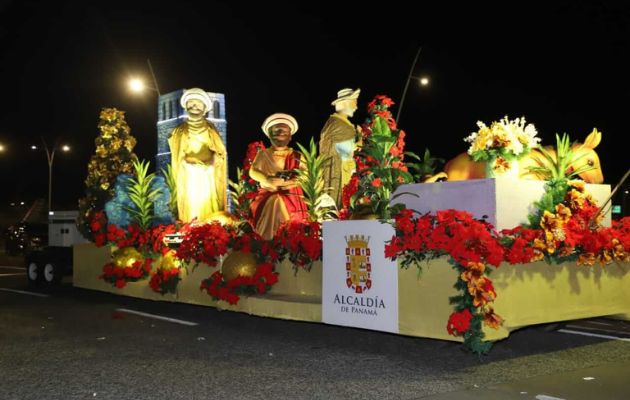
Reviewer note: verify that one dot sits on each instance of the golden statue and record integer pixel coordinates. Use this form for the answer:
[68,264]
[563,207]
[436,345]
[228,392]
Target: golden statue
[337,142]
[280,197]
[198,158]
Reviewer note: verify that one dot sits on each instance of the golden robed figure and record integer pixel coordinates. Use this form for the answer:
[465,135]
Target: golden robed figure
[198,158]
[337,142]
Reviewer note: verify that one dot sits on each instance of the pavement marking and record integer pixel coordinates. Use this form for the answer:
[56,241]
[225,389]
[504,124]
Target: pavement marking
[594,335]
[24,292]
[176,321]
[12,267]
[14,274]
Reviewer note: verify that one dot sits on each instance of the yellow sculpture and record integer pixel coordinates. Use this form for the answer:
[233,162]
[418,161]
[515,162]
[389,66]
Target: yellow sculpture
[280,197]
[337,142]
[198,158]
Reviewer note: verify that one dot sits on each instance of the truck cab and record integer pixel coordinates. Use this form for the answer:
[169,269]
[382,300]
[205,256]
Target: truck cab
[49,264]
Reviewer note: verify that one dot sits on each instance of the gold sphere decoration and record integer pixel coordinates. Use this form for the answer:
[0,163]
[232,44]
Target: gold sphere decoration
[169,260]
[224,218]
[238,263]
[125,257]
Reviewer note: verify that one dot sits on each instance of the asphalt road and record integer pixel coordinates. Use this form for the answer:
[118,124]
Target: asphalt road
[79,344]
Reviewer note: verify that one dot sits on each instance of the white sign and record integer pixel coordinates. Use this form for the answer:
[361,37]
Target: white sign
[360,286]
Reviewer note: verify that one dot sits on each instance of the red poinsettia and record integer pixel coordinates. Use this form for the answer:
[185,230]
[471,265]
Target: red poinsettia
[263,279]
[119,276]
[301,241]
[459,322]
[205,243]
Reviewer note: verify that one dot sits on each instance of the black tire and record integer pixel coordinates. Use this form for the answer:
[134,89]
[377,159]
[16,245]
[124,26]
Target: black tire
[33,272]
[51,273]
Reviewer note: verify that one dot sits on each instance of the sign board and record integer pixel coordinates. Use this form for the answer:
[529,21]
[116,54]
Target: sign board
[359,285]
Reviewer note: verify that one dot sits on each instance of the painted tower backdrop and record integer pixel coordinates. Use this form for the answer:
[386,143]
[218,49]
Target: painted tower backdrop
[171,114]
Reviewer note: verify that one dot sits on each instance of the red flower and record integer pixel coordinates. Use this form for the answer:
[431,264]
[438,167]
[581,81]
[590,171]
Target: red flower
[377,182]
[459,322]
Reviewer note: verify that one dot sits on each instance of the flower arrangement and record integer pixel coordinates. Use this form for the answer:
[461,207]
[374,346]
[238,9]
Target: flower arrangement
[508,139]
[167,276]
[571,231]
[380,163]
[205,243]
[261,282]
[301,242]
[127,265]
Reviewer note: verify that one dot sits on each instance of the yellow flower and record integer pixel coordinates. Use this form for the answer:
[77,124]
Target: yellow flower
[586,259]
[566,251]
[618,251]
[474,271]
[491,319]
[575,199]
[604,258]
[578,185]
[563,213]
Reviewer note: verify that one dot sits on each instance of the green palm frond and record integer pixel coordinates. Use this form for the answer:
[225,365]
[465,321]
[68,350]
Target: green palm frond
[311,180]
[554,167]
[236,189]
[141,195]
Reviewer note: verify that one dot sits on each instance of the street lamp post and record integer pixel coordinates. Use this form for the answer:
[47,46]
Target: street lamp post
[50,157]
[422,80]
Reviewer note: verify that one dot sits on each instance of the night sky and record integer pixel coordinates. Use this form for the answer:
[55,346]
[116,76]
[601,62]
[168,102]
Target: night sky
[563,66]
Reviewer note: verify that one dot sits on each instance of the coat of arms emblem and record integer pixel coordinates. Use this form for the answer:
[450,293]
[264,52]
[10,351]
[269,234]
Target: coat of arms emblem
[358,265]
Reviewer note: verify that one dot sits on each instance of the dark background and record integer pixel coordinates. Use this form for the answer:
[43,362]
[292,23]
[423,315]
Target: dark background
[564,66]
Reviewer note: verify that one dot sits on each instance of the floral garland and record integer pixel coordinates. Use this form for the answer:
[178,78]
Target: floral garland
[571,233]
[472,245]
[261,282]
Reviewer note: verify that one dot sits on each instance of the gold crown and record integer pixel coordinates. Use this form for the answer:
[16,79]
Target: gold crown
[355,241]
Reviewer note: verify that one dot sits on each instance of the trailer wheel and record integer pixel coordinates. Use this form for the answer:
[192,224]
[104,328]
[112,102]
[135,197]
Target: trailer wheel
[33,273]
[52,273]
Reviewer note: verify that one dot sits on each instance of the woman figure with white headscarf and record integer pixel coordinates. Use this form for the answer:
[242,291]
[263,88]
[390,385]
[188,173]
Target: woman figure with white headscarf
[280,197]
[198,159]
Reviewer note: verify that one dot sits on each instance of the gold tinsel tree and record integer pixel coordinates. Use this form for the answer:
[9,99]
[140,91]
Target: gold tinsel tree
[114,156]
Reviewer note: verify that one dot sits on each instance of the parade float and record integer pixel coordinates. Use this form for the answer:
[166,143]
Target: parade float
[468,259]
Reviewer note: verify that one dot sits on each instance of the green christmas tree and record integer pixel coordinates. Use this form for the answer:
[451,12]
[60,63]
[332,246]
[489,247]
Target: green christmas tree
[114,156]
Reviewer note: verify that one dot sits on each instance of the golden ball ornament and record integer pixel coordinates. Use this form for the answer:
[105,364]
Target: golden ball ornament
[238,263]
[169,260]
[125,257]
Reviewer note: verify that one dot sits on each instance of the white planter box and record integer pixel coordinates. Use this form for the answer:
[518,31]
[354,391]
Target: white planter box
[505,202]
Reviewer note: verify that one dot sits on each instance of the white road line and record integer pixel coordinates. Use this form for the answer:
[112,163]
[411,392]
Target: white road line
[12,267]
[14,274]
[593,335]
[24,292]
[176,321]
